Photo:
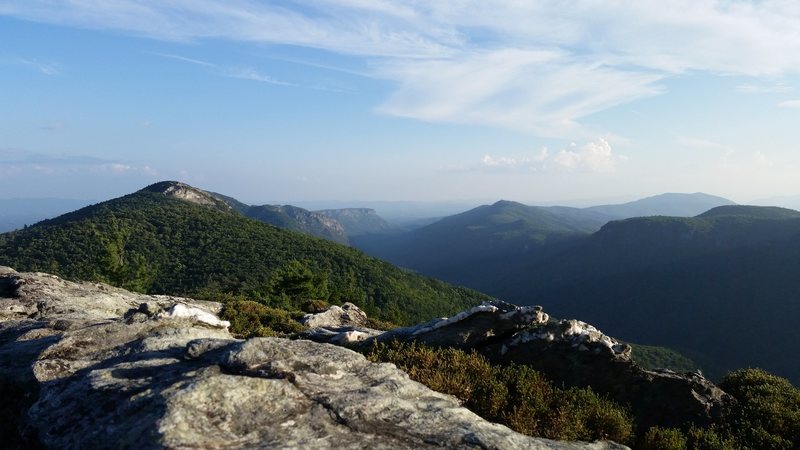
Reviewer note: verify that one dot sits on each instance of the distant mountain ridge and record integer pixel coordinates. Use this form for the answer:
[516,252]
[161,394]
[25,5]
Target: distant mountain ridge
[357,221]
[669,204]
[724,283]
[478,246]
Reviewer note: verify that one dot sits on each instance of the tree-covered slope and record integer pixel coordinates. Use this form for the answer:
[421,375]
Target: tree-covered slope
[723,287]
[155,243]
[477,244]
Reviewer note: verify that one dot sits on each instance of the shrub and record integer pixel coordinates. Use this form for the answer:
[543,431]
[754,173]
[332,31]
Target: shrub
[768,411]
[251,319]
[315,306]
[515,395]
[658,438]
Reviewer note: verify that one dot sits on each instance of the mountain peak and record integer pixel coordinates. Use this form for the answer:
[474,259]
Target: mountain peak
[761,212]
[506,203]
[187,193]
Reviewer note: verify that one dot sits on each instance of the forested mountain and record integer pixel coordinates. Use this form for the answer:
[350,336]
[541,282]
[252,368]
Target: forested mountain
[172,238]
[722,287]
[479,246]
[463,246]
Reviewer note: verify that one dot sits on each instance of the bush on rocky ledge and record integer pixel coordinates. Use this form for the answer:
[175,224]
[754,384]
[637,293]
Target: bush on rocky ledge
[516,396]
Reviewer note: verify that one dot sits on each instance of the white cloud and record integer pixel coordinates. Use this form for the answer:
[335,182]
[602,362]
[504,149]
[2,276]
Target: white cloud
[594,156]
[244,73]
[500,161]
[119,168]
[537,67]
[790,104]
[541,92]
[20,162]
[774,88]
[248,73]
[690,141]
[761,160]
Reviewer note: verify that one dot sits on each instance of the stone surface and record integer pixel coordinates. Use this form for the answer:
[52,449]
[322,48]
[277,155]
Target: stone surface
[347,315]
[86,365]
[470,329]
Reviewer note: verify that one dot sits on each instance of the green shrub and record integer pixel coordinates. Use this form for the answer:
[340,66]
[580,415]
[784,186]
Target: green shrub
[662,439]
[379,324]
[315,306]
[768,411]
[710,439]
[515,395]
[251,319]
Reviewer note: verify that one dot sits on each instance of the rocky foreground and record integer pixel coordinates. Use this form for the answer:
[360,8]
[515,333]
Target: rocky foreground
[568,351]
[86,365]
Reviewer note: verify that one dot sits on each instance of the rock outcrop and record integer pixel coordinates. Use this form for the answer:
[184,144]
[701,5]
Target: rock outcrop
[85,365]
[347,315]
[568,351]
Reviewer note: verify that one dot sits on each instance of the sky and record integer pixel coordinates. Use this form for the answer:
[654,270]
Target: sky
[339,100]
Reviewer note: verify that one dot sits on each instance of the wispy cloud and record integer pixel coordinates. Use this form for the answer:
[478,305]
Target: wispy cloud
[183,58]
[20,162]
[248,73]
[44,68]
[696,142]
[57,126]
[773,88]
[243,73]
[536,67]
[790,104]
[761,160]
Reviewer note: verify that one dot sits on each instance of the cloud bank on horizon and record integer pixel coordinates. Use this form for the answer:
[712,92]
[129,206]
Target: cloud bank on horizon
[535,67]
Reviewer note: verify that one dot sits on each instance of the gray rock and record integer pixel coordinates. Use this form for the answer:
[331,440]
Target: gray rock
[77,372]
[347,315]
[470,329]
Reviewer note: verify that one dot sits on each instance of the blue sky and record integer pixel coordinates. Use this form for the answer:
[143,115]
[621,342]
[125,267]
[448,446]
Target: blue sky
[281,101]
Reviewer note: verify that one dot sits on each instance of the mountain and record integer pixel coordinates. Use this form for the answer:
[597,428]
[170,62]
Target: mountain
[681,205]
[171,238]
[471,245]
[299,219]
[725,284]
[18,212]
[291,218]
[481,246]
[357,221]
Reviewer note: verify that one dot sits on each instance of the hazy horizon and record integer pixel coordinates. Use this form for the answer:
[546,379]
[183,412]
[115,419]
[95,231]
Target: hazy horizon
[343,101]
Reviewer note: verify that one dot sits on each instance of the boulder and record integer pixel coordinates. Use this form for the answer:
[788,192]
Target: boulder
[347,315]
[470,329]
[85,365]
